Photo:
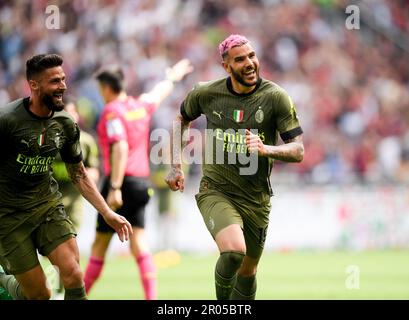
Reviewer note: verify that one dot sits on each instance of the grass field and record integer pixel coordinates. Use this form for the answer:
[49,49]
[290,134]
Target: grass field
[293,275]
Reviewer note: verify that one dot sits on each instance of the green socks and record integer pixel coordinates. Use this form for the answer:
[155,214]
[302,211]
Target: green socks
[245,288]
[75,294]
[225,273]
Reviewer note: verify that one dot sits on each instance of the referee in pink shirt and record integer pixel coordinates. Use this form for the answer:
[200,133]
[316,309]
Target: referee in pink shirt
[123,134]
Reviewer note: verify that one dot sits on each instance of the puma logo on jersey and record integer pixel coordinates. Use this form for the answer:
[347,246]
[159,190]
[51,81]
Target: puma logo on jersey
[219,114]
[25,142]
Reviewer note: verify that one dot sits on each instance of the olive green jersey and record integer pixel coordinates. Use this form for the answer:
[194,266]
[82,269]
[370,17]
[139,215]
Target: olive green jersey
[29,144]
[267,111]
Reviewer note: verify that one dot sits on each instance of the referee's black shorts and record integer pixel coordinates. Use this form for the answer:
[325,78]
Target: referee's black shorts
[135,196]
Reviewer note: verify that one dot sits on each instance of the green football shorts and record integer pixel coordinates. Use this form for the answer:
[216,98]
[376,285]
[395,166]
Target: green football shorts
[220,210]
[54,229]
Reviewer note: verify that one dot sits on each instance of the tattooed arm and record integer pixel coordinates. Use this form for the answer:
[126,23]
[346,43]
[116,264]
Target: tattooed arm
[291,151]
[87,187]
[176,178]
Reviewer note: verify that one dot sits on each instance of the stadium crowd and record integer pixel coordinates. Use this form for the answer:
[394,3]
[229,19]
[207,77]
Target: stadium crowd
[350,87]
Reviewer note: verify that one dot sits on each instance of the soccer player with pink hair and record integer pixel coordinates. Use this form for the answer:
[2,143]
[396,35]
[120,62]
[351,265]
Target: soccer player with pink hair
[245,114]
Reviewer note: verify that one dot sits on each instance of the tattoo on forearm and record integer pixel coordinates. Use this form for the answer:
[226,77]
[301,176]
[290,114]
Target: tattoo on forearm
[179,140]
[76,172]
[291,151]
[185,131]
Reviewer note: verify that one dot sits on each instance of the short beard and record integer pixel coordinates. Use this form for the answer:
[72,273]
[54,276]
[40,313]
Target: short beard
[240,79]
[48,101]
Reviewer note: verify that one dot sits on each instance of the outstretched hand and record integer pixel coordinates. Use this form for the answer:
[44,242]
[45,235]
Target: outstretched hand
[178,71]
[122,227]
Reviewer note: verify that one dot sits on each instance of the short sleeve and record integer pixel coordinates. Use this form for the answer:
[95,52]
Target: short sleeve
[287,121]
[190,108]
[114,126]
[71,150]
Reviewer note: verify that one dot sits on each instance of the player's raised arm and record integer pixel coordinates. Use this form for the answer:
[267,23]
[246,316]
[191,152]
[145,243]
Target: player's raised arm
[175,178]
[163,88]
[89,191]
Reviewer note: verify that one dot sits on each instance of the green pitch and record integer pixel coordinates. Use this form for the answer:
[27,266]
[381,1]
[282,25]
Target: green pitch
[293,275]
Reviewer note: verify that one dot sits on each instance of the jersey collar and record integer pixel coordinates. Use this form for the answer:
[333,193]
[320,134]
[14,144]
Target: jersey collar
[26,103]
[230,88]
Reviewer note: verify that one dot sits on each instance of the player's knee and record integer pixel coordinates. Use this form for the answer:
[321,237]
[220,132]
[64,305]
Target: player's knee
[72,276]
[233,258]
[239,247]
[39,293]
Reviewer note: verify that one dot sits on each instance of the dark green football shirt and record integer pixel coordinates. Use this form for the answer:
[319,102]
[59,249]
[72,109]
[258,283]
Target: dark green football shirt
[29,145]
[267,110]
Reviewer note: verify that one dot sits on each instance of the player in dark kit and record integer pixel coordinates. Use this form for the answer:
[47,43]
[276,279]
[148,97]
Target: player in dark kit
[244,115]
[32,217]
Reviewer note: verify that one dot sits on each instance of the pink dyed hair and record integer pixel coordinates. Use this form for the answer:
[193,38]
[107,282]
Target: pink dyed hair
[234,40]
